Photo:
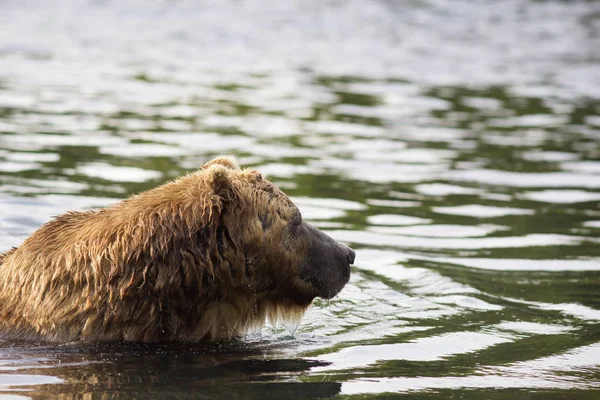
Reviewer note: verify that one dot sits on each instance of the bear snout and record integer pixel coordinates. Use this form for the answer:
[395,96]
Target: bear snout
[328,265]
[351,256]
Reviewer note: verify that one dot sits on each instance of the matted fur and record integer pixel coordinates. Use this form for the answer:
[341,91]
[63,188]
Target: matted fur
[204,257]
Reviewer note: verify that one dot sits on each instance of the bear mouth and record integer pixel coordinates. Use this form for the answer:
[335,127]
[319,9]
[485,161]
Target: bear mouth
[329,288]
[326,269]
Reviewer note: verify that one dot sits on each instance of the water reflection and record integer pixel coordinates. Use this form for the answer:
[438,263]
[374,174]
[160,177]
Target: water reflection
[167,371]
[455,145]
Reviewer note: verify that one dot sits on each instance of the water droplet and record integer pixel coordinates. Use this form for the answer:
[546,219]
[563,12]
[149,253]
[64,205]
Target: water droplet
[291,325]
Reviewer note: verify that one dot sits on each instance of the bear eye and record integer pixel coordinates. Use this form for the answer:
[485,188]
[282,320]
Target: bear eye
[296,218]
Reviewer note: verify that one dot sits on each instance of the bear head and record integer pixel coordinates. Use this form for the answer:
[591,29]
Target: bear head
[288,257]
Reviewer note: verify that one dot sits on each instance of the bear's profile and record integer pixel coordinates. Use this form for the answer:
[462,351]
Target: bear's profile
[208,256]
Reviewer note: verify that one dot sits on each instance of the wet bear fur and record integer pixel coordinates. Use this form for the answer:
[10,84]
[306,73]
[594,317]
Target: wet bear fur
[209,256]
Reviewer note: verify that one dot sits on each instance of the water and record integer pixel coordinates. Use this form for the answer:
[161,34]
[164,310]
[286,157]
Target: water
[454,145]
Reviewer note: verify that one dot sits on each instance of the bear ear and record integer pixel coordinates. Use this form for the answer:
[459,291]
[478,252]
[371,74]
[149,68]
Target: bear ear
[226,161]
[219,178]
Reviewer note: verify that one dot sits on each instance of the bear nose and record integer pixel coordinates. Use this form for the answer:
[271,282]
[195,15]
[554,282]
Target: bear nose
[351,256]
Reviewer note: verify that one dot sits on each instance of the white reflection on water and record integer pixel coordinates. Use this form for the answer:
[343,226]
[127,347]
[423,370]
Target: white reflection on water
[346,129]
[8,381]
[592,167]
[507,264]
[322,208]
[531,327]
[197,141]
[117,174]
[24,185]
[528,180]
[440,231]
[434,348]
[539,373]
[393,203]
[380,172]
[378,239]
[8,166]
[22,156]
[465,302]
[396,219]
[143,150]
[551,156]
[443,189]
[421,281]
[43,141]
[476,210]
[578,311]
[562,196]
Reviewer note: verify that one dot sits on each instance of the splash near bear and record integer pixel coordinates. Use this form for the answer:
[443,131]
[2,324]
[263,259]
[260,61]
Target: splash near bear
[209,256]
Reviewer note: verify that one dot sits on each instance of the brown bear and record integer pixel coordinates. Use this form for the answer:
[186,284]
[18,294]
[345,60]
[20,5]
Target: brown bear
[208,256]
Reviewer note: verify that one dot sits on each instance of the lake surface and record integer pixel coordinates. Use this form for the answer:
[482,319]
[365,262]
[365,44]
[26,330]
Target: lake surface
[454,145]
